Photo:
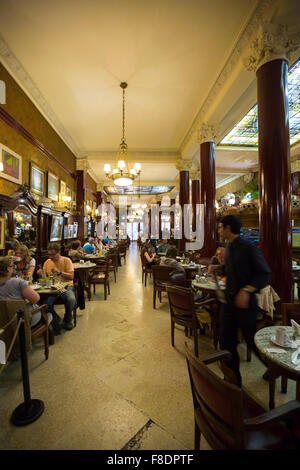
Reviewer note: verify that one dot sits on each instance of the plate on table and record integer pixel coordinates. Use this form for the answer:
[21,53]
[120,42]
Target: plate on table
[289,344]
[35,286]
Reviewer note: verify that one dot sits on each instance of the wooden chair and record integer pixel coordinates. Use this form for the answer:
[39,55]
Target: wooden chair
[122,252]
[183,311]
[114,265]
[8,310]
[145,269]
[161,278]
[100,275]
[229,418]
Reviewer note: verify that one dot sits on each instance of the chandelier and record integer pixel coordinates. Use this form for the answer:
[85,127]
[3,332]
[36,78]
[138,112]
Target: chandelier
[122,174]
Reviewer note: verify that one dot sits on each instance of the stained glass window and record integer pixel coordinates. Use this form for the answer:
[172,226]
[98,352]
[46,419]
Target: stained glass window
[137,189]
[245,133]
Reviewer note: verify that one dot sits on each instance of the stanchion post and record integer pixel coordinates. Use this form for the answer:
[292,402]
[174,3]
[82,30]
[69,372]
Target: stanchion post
[30,410]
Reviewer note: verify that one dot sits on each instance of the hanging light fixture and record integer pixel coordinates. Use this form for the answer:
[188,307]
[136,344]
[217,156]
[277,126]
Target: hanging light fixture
[122,174]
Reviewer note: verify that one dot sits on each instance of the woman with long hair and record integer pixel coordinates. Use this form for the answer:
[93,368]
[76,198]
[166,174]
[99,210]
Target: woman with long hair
[24,263]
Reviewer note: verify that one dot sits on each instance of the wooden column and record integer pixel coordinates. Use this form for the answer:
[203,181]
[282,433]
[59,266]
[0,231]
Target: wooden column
[275,174]
[80,202]
[195,177]
[184,194]
[208,191]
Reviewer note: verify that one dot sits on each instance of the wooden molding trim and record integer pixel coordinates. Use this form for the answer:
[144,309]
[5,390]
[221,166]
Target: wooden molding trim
[12,122]
[90,191]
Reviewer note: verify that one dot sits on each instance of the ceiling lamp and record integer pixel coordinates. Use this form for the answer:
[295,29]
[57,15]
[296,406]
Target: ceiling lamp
[122,174]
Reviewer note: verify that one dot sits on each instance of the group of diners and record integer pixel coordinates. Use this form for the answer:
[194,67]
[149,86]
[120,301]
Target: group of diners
[152,251]
[17,271]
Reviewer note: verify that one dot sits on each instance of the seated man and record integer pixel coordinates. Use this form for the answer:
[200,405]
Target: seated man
[163,247]
[61,266]
[89,246]
[170,259]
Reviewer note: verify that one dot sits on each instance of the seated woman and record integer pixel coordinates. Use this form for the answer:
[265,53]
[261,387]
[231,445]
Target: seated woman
[75,252]
[17,288]
[98,244]
[217,264]
[170,259]
[89,247]
[149,254]
[23,262]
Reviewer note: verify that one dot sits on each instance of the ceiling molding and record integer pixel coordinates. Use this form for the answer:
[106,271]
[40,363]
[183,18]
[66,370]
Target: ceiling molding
[262,13]
[23,79]
[141,156]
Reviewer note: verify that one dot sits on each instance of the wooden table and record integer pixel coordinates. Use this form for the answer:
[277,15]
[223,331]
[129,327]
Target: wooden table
[278,364]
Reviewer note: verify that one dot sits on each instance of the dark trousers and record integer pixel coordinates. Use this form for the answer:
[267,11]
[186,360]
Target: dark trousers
[232,319]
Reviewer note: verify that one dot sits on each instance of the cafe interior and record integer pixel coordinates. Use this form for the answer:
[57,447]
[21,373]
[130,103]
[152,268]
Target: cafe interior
[114,117]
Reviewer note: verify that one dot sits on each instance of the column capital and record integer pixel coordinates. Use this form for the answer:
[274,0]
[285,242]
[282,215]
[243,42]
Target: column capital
[100,187]
[273,41]
[183,165]
[207,133]
[195,175]
[82,164]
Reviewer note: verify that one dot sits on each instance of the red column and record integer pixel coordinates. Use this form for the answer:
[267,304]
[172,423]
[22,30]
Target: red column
[80,202]
[99,198]
[172,218]
[275,174]
[184,195]
[159,220]
[195,175]
[208,197]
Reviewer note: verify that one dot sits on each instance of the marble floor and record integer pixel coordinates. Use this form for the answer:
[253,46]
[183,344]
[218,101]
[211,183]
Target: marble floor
[114,381]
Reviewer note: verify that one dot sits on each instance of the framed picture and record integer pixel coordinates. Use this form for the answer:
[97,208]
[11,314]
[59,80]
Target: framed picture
[65,232]
[56,228]
[2,233]
[37,179]
[70,231]
[85,229]
[63,187]
[75,229]
[69,193]
[12,165]
[52,186]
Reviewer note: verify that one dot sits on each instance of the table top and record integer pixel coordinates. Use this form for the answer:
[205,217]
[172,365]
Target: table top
[49,290]
[208,284]
[86,265]
[263,341]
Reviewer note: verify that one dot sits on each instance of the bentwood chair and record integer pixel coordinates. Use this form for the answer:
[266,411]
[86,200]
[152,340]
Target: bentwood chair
[161,278]
[145,269]
[230,419]
[100,275]
[114,264]
[8,310]
[122,252]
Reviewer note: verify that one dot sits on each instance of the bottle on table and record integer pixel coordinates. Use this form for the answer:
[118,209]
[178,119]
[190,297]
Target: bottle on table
[29,276]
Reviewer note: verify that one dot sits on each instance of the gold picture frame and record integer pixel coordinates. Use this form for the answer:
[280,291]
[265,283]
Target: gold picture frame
[2,232]
[52,186]
[12,165]
[63,187]
[37,179]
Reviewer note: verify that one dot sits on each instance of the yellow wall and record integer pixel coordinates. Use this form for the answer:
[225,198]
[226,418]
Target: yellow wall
[19,106]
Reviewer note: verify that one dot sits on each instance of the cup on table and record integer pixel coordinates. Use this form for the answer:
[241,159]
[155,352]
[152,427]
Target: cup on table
[81,261]
[282,337]
[197,278]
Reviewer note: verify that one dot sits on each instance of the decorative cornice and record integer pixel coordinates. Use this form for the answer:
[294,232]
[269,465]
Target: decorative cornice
[195,175]
[14,124]
[15,68]
[184,165]
[82,164]
[273,41]
[208,133]
[263,13]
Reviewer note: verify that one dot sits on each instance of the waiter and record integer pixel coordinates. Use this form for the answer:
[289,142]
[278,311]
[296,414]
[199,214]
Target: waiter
[246,273]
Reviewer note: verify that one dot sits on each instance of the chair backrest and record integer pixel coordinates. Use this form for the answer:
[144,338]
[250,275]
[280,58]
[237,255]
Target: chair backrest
[290,311]
[161,273]
[178,278]
[181,301]
[113,257]
[122,249]
[218,406]
[8,310]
